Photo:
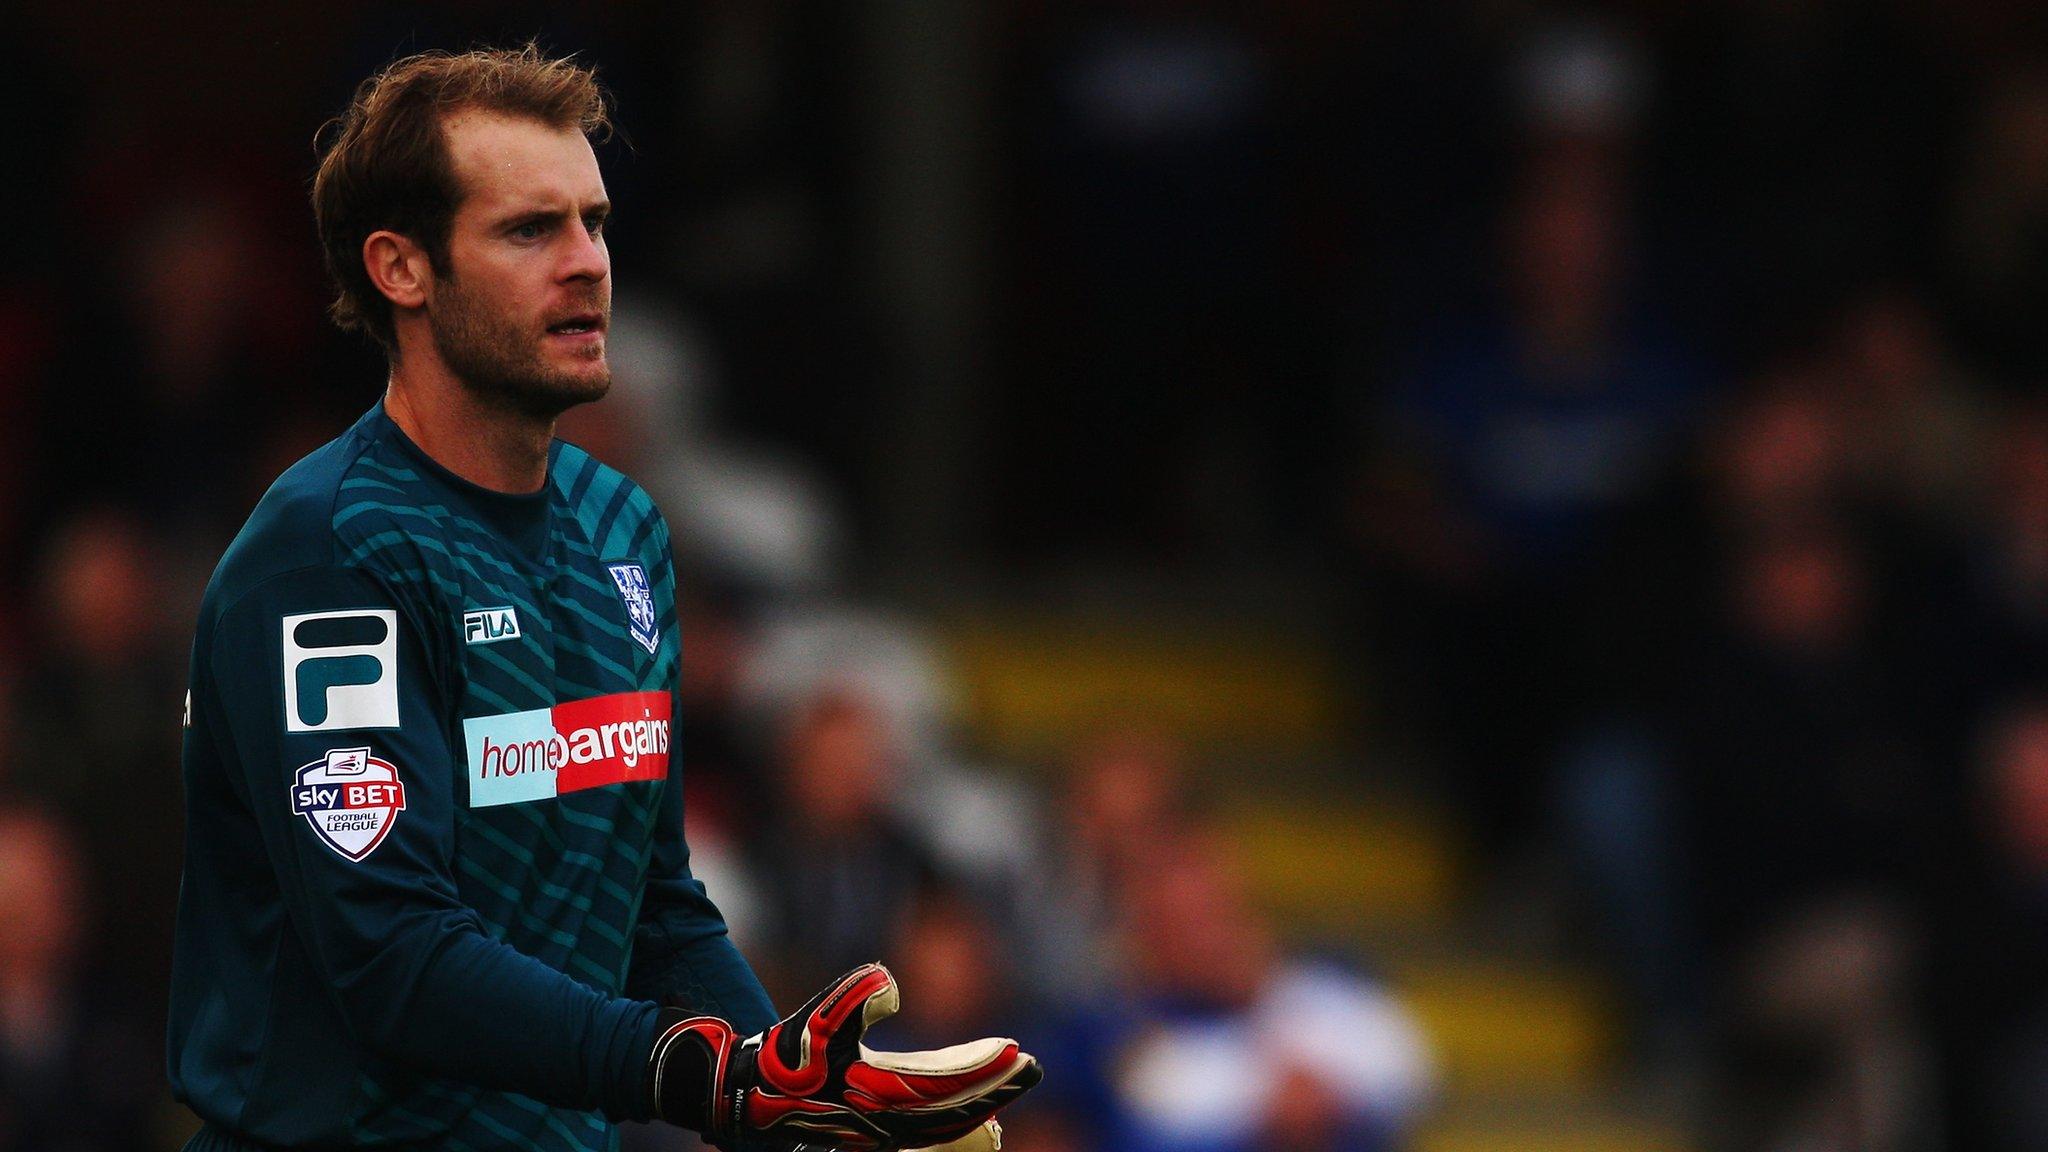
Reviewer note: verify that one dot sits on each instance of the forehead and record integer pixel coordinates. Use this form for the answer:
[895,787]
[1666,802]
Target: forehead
[508,163]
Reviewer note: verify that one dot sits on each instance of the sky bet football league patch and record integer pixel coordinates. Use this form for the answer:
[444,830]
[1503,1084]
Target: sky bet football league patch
[351,799]
[633,589]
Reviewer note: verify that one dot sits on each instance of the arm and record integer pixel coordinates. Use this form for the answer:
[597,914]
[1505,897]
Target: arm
[370,891]
[806,1083]
[681,952]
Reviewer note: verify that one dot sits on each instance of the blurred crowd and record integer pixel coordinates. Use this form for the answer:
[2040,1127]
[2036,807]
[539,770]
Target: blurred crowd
[1647,397]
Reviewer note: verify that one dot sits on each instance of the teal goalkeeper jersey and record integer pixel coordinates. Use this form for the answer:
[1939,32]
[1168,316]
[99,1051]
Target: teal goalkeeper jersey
[435,878]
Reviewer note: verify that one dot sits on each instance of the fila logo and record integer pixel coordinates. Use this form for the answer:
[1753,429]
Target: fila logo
[341,670]
[490,625]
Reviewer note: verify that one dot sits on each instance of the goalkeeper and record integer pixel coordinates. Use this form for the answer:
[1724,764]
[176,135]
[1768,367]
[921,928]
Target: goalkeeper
[436,893]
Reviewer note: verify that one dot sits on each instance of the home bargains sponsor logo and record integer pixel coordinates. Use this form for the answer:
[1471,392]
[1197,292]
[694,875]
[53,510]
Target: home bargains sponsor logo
[520,756]
[351,799]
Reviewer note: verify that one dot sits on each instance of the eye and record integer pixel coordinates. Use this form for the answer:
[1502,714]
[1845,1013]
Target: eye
[594,225]
[531,230]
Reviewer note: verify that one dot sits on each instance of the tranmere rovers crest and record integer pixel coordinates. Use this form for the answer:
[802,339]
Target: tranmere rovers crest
[639,598]
[351,799]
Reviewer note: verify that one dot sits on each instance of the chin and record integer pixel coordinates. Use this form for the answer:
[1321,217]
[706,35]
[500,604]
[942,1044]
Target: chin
[591,380]
[546,393]
[593,389]
[567,391]
[583,370]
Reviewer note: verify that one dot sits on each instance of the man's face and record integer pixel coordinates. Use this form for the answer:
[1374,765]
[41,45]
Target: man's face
[519,312]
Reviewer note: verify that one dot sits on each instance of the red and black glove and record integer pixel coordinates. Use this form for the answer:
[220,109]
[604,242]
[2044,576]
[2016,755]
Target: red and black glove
[810,1080]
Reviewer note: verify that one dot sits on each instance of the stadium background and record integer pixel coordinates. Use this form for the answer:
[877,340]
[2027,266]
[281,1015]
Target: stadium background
[1450,576]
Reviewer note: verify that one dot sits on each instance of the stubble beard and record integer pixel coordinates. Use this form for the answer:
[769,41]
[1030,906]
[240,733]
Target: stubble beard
[502,364]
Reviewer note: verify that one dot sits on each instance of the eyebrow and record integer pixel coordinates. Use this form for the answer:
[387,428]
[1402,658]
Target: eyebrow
[600,208]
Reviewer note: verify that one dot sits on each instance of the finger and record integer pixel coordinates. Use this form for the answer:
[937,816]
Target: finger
[935,1120]
[795,1061]
[865,1000]
[945,1077]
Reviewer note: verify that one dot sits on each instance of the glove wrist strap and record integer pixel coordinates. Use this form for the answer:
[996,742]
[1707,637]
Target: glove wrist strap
[687,1073]
[728,1095]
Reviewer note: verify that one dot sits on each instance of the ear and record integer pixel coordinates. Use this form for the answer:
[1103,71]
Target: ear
[399,268]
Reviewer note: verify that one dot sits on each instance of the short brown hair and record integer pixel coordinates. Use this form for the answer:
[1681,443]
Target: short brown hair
[387,165]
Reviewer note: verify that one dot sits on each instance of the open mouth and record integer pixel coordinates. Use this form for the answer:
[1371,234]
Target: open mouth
[580,325]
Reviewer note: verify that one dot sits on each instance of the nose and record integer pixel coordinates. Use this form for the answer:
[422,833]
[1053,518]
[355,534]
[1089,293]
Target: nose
[586,258]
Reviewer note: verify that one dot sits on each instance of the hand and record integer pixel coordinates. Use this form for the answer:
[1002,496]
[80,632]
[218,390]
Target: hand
[810,1080]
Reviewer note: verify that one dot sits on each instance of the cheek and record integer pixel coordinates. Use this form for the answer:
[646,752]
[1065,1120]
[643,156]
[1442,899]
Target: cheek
[510,294]
[497,285]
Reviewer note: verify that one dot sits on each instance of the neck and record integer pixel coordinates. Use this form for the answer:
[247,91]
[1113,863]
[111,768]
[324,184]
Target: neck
[488,445]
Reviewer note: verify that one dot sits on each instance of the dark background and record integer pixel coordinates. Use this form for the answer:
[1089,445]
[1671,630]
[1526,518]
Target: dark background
[1448,576]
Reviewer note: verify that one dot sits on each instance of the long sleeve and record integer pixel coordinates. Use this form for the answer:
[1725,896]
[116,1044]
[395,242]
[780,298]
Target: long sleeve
[343,738]
[681,950]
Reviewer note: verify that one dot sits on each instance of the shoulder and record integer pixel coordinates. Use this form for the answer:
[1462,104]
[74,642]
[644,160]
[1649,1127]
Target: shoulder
[386,519]
[291,527]
[346,507]
[616,515]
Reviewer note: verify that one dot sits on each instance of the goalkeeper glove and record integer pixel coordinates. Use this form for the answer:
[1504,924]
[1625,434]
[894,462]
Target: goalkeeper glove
[810,1080]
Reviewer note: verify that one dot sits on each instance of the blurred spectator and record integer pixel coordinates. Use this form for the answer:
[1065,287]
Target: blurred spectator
[978,824]
[1776,457]
[956,976]
[1792,726]
[1823,1048]
[1512,446]
[97,728]
[887,658]
[726,784]
[185,352]
[1660,614]
[959,980]
[746,515]
[1795,731]
[1126,792]
[1998,241]
[1917,425]
[841,869]
[1124,795]
[1151,415]
[1989,942]
[2004,594]
[80,1068]
[1222,1043]
[1781,455]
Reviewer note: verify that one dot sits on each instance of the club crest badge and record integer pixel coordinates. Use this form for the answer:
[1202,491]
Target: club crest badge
[639,598]
[351,799]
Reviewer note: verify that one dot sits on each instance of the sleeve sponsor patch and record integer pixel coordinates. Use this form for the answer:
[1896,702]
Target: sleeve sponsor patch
[351,799]
[341,670]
